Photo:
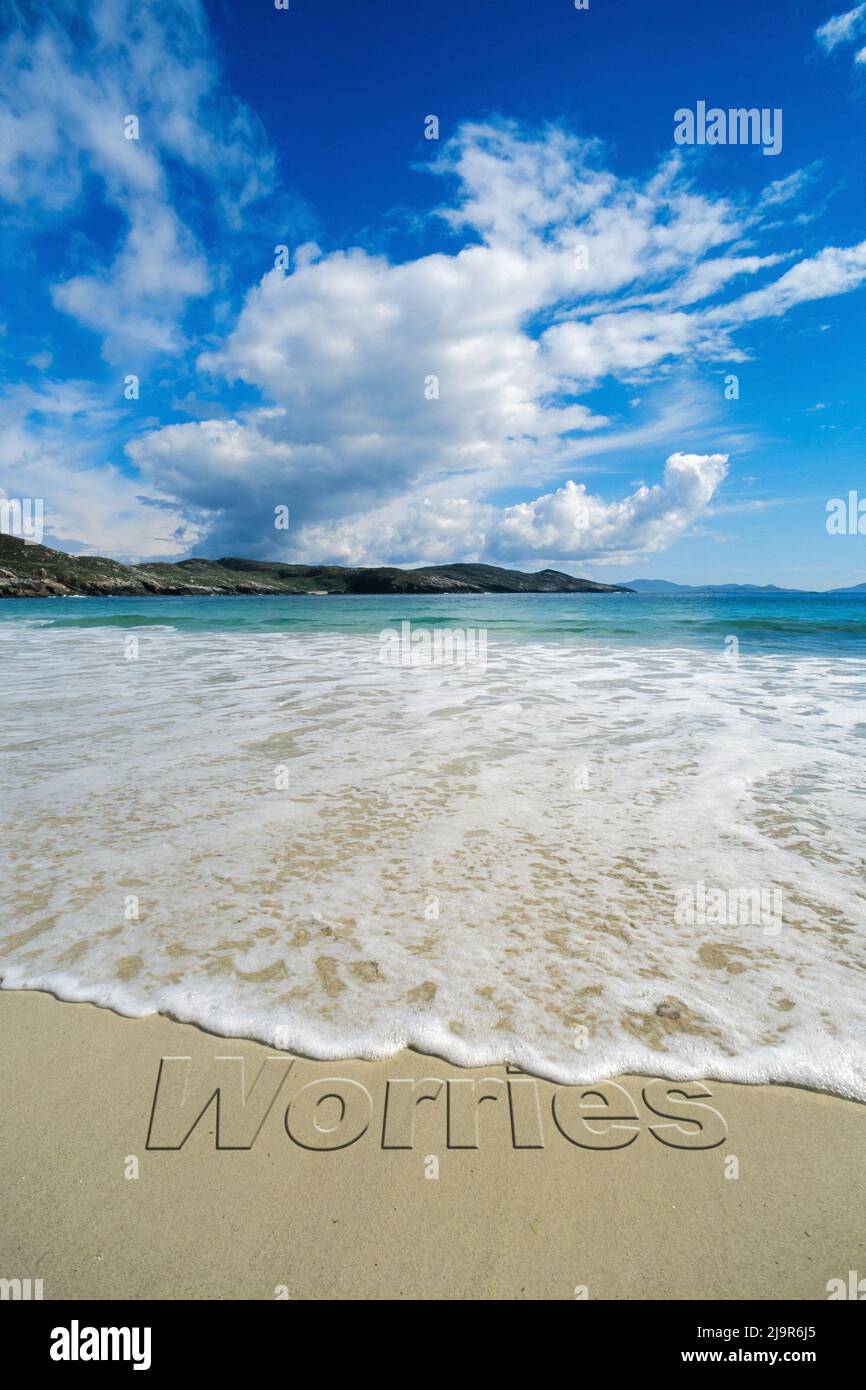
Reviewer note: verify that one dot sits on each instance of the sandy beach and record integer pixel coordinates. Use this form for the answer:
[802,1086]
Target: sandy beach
[432,671]
[572,1218]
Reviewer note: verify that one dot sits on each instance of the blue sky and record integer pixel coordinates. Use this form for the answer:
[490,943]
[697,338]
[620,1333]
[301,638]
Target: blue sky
[509,343]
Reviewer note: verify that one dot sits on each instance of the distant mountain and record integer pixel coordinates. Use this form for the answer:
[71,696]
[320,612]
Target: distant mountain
[658,586]
[35,571]
[665,586]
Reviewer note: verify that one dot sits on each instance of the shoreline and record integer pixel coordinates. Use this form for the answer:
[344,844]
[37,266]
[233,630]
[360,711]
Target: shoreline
[672,1075]
[613,1189]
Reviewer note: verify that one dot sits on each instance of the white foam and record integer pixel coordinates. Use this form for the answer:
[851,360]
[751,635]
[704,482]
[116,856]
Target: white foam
[476,864]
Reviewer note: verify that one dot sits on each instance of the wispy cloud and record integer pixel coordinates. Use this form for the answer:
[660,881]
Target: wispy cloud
[844,30]
[70,81]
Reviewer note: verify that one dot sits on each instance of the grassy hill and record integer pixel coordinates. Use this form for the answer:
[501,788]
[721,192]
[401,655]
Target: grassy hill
[36,571]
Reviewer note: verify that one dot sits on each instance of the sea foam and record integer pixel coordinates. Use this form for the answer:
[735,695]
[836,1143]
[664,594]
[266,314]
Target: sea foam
[280,837]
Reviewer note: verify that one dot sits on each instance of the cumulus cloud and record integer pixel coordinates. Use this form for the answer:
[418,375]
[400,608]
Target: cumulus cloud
[576,525]
[403,396]
[568,524]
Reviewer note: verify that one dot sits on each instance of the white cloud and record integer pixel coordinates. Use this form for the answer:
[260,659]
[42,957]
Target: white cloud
[436,528]
[137,301]
[51,443]
[569,524]
[516,329]
[842,28]
[835,270]
[792,186]
[401,399]
[576,525]
[69,80]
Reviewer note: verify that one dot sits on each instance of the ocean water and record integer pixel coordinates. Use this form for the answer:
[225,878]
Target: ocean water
[628,835]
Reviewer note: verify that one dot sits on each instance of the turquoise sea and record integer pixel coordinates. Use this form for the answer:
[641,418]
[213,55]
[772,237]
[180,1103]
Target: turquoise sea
[628,835]
[802,623]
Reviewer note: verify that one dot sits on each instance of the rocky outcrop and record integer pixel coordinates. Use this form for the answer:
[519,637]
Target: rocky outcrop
[36,571]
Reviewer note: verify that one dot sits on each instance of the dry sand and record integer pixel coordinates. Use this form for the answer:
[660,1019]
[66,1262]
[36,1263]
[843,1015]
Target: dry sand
[278,1219]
